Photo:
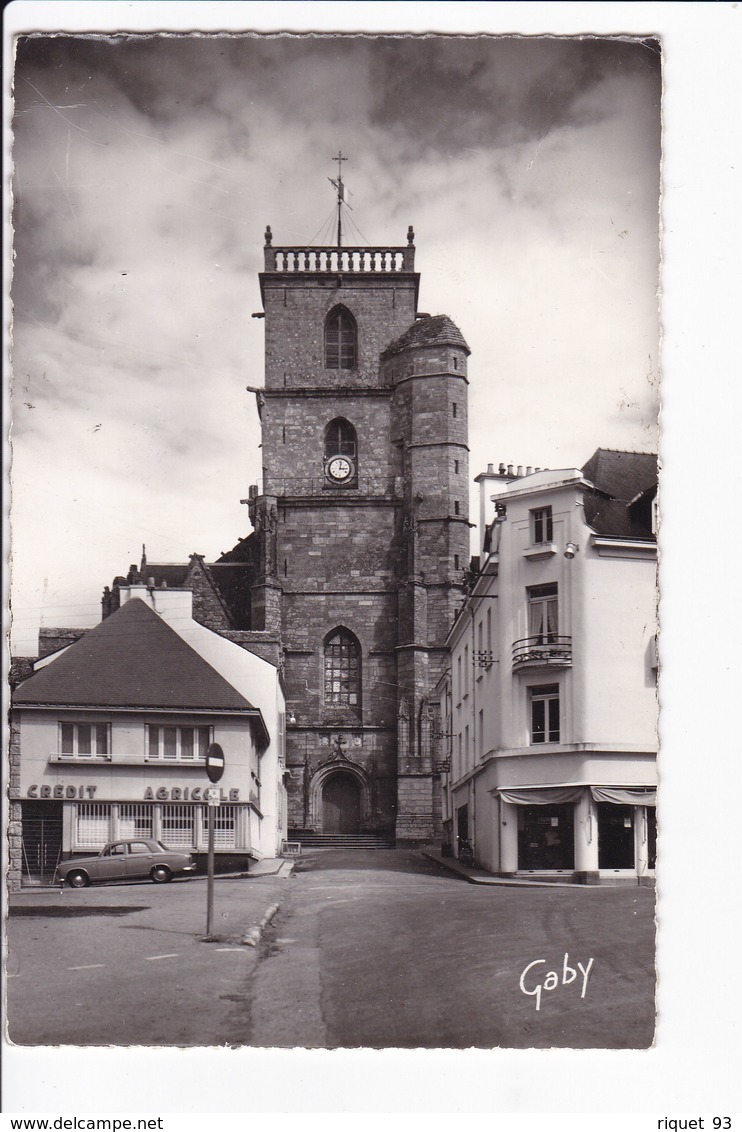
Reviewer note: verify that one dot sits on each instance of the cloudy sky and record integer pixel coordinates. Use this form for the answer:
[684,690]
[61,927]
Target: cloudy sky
[145,171]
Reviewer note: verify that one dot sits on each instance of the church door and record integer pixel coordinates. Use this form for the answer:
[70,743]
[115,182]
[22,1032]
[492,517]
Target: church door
[341,804]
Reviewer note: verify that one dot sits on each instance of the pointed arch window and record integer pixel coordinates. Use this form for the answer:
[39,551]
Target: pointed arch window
[341,339]
[342,661]
[340,439]
[341,446]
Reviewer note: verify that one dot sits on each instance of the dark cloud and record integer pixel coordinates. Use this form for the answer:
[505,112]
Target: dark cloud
[169,76]
[440,92]
[446,94]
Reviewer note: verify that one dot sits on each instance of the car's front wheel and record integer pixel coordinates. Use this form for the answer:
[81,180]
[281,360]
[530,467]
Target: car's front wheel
[161,874]
[78,878]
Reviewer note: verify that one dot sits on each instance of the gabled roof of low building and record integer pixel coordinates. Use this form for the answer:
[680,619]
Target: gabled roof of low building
[435,330]
[132,659]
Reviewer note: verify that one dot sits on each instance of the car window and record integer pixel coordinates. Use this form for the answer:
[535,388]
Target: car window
[118,850]
[139,847]
[164,848]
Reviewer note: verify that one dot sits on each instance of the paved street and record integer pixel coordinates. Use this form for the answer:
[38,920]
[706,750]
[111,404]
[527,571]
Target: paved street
[378,949]
[125,964]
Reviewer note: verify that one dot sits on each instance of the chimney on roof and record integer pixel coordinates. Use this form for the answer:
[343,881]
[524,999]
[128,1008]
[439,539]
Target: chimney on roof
[510,469]
[501,470]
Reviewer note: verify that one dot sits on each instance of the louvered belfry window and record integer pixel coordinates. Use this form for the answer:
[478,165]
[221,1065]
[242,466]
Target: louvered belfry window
[340,439]
[340,339]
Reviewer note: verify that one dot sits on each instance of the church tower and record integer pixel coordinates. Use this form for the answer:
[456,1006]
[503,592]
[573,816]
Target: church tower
[361,524]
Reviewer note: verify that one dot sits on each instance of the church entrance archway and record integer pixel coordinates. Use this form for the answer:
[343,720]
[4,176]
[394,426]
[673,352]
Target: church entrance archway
[341,804]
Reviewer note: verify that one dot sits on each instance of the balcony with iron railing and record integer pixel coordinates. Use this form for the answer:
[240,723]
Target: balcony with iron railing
[546,650]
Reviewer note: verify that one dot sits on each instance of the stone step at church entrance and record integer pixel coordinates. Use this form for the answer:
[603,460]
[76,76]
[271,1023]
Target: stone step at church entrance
[342,840]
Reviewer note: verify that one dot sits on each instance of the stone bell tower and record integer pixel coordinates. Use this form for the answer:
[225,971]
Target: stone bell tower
[362,528]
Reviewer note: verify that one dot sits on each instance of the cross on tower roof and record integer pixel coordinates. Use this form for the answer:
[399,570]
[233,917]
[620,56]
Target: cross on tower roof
[338,184]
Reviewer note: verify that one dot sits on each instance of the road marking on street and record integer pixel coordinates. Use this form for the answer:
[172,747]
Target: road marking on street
[172,955]
[240,949]
[87,967]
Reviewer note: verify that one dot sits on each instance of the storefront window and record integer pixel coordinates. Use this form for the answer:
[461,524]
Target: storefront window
[92,824]
[651,836]
[546,837]
[135,820]
[225,833]
[178,827]
[616,836]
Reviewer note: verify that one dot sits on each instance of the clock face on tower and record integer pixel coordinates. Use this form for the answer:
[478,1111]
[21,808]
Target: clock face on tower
[339,469]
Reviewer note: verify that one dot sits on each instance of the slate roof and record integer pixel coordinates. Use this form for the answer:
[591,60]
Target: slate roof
[167,573]
[437,330]
[132,659]
[621,475]
[625,485]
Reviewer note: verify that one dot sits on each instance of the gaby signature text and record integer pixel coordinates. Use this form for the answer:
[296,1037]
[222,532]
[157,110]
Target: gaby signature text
[534,981]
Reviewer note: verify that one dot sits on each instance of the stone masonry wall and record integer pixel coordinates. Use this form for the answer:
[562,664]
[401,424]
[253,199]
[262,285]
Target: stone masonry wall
[293,436]
[295,312]
[208,609]
[51,640]
[415,818]
[14,835]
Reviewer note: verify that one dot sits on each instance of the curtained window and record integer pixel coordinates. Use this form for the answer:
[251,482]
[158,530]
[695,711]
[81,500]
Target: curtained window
[543,614]
[85,740]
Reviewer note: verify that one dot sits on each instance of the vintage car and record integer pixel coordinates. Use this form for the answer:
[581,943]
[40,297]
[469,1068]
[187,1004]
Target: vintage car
[122,860]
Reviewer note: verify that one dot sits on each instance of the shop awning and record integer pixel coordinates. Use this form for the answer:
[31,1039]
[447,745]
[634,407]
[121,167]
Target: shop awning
[542,795]
[558,795]
[626,795]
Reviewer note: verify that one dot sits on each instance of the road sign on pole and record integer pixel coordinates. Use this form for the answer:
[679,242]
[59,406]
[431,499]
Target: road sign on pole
[214,762]
[214,769]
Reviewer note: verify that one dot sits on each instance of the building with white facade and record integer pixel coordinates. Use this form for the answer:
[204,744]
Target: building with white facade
[548,715]
[109,737]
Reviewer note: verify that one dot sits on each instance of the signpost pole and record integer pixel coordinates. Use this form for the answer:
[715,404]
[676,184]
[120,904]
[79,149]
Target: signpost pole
[214,770]
[210,874]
